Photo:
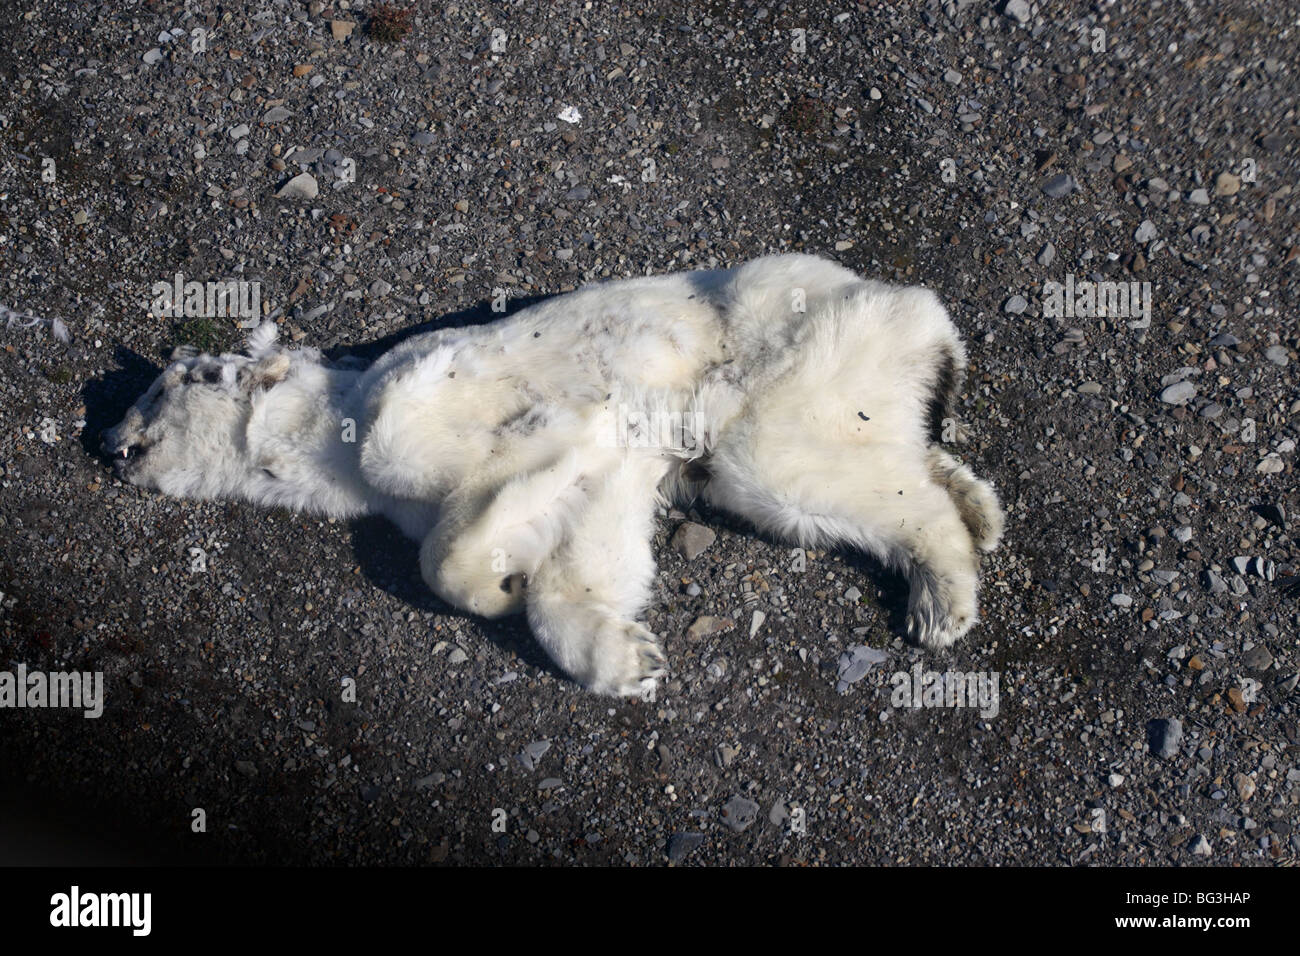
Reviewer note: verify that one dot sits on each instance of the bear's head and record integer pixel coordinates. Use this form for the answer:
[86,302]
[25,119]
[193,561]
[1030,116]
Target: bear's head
[187,435]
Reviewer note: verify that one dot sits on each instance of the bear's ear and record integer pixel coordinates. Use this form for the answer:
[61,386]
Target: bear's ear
[262,339]
[265,372]
[183,352]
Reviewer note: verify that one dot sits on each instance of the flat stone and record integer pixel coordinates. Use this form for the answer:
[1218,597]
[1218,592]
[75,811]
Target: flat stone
[707,626]
[1164,736]
[691,540]
[1179,393]
[1258,658]
[856,662]
[1017,10]
[1059,186]
[682,845]
[1226,184]
[302,186]
[739,814]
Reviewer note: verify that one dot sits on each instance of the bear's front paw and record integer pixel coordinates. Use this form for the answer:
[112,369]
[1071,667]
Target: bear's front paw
[625,660]
[940,612]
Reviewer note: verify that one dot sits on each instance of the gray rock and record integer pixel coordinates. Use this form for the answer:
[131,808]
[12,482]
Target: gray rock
[1059,186]
[1277,355]
[682,845]
[1179,393]
[302,186]
[533,753]
[1164,736]
[434,779]
[691,540]
[739,814]
[856,662]
[1017,10]
[1258,658]
[1016,304]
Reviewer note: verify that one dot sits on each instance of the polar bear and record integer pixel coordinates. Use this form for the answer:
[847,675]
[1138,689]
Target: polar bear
[528,456]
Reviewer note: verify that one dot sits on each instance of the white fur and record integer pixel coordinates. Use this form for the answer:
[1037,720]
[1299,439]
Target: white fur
[807,390]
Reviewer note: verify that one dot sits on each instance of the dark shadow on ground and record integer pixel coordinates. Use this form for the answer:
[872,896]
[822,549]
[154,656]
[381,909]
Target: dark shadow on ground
[40,827]
[891,585]
[391,561]
[107,397]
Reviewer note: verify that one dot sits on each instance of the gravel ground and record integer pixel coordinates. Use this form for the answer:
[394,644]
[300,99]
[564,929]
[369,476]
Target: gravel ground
[1138,615]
